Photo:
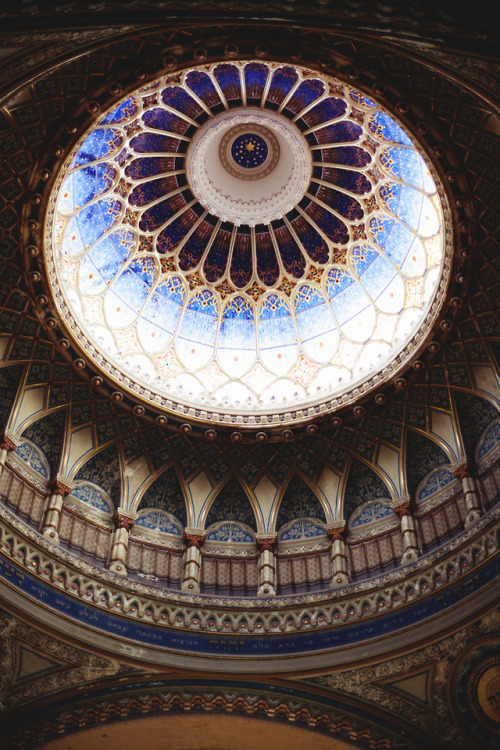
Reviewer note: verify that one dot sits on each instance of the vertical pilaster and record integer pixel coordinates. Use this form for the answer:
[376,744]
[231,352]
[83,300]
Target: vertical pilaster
[50,524]
[267,564]
[192,562]
[124,520]
[471,494]
[408,531]
[6,445]
[339,554]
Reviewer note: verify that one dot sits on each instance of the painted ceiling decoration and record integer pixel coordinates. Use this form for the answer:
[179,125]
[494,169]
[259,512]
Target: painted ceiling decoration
[316,195]
[247,238]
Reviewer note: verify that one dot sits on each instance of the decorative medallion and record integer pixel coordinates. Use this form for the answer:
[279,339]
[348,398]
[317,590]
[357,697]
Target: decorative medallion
[249,152]
[477,693]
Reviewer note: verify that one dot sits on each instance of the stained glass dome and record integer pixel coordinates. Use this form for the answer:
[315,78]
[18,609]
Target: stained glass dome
[245,240]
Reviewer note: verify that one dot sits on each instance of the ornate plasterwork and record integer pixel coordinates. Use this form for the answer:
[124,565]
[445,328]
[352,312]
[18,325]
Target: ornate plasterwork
[249,153]
[274,703]
[285,614]
[189,373]
[280,182]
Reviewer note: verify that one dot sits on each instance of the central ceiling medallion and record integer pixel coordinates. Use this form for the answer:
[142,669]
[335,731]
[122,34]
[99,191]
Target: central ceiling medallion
[249,152]
[248,166]
[247,241]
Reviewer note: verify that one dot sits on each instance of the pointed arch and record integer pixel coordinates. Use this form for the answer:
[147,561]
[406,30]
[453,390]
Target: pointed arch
[363,484]
[231,504]
[104,469]
[423,455]
[10,377]
[165,493]
[48,434]
[474,415]
[299,501]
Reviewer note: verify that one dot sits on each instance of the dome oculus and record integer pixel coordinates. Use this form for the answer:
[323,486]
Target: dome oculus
[247,239]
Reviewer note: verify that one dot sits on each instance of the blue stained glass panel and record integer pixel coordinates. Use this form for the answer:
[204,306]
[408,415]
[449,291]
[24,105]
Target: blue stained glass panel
[201,85]
[228,78]
[160,315]
[161,119]
[362,256]
[328,109]
[149,166]
[361,99]
[90,224]
[277,335]
[394,238]
[124,111]
[99,267]
[337,280]
[154,143]
[195,341]
[101,143]
[386,129]
[349,302]
[255,79]
[237,337]
[179,99]
[403,202]
[283,80]
[306,93]
[406,164]
[84,185]
[318,330]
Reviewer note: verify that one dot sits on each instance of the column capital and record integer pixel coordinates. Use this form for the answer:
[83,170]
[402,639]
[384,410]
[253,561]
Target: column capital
[460,469]
[336,530]
[266,542]
[124,519]
[194,537]
[62,486]
[8,442]
[402,506]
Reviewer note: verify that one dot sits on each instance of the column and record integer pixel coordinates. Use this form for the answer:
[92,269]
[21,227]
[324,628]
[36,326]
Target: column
[408,531]
[124,520]
[53,509]
[471,494]
[339,553]
[192,563]
[267,565]
[8,444]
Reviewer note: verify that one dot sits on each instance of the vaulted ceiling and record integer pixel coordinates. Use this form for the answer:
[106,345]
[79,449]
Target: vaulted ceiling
[400,678]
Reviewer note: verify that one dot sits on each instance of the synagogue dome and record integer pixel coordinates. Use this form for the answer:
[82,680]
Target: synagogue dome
[246,240]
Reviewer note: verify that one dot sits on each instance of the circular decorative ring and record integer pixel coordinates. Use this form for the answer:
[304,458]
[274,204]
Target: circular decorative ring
[249,152]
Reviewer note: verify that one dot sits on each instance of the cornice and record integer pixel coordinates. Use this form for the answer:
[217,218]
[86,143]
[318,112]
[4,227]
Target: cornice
[38,574]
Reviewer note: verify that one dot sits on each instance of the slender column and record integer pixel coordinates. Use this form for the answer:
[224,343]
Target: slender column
[192,562]
[267,565]
[339,553]
[124,520]
[8,444]
[50,523]
[408,531]
[471,495]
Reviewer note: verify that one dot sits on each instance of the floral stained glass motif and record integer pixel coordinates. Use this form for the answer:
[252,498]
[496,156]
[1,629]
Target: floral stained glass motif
[242,317]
